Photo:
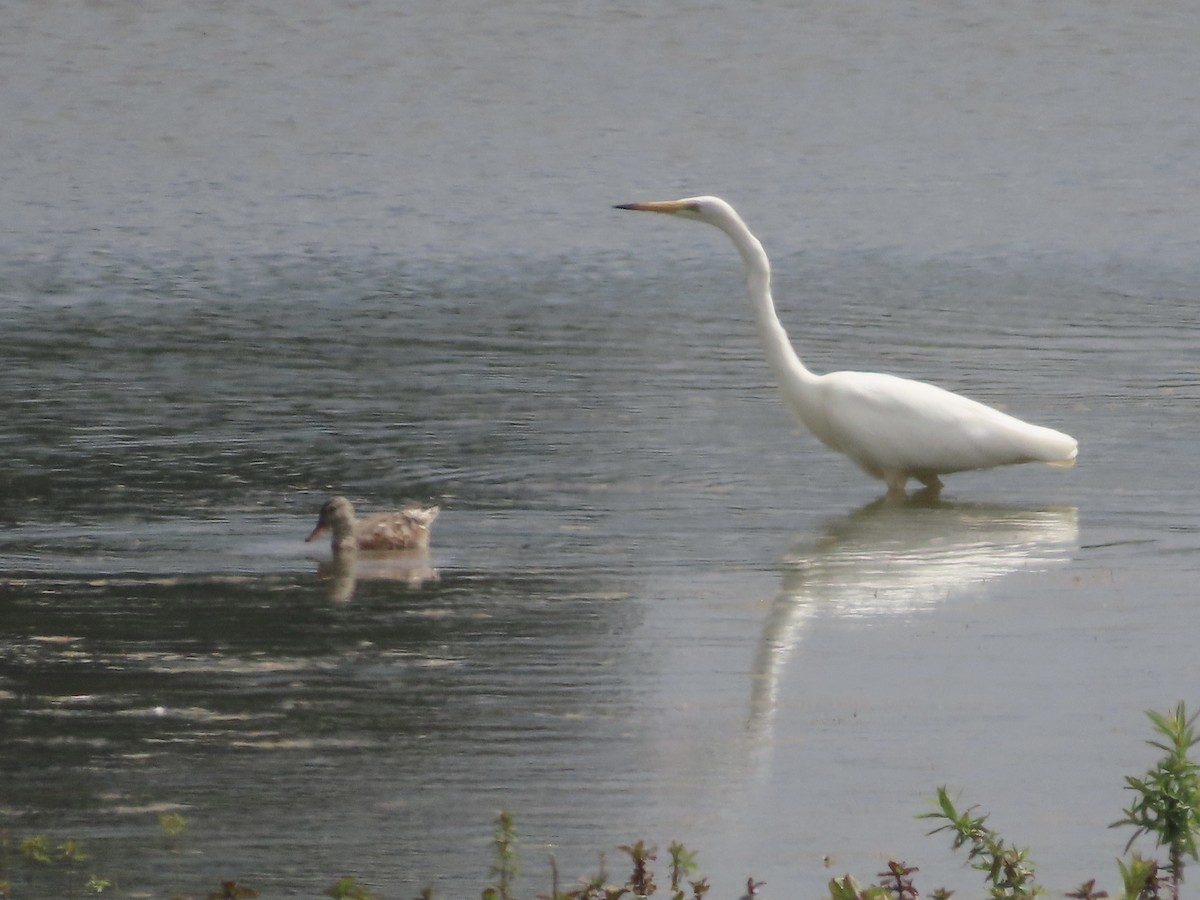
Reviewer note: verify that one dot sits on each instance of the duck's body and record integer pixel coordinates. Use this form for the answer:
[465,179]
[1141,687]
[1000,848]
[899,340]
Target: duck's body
[402,529]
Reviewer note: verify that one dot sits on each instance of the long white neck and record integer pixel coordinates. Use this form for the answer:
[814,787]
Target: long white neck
[785,364]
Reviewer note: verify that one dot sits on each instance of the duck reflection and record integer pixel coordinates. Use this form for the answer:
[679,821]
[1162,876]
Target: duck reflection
[899,556]
[340,576]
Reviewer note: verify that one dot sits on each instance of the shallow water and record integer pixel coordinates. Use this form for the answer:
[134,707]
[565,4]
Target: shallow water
[653,609]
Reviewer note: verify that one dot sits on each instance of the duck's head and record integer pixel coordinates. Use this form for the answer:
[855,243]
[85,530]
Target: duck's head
[337,514]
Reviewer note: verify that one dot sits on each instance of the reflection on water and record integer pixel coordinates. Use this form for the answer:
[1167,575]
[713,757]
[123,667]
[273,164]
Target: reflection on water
[341,575]
[898,556]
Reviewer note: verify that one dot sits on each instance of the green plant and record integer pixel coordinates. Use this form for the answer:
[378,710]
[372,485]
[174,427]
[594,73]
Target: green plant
[595,888]
[347,889]
[1167,802]
[98,885]
[898,882]
[36,848]
[71,853]
[641,882]
[1167,805]
[38,861]
[846,888]
[683,864]
[1006,869]
[507,865]
[171,824]
[1140,878]
[231,890]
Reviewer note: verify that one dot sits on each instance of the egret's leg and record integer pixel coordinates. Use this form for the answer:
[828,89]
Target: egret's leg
[895,482]
[931,481]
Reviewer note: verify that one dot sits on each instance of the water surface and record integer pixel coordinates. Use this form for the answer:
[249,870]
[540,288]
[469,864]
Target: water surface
[253,257]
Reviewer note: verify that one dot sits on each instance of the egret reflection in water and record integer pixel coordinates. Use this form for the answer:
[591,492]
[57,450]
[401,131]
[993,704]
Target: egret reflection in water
[889,558]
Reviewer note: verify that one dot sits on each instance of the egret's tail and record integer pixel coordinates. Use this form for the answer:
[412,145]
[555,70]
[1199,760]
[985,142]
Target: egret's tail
[1062,463]
[1063,451]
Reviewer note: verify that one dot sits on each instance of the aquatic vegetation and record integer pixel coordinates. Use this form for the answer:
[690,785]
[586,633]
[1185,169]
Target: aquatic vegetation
[1007,869]
[231,890]
[506,868]
[641,880]
[1165,806]
[1167,801]
[896,882]
[348,889]
[172,824]
[55,865]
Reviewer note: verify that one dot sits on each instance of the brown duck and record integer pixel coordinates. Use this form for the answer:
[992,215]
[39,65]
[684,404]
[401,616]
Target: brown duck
[402,529]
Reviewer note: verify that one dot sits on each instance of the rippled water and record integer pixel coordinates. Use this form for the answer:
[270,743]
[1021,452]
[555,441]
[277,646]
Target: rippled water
[270,257]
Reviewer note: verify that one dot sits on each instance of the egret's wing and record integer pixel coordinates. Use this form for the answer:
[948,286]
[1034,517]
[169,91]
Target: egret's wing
[894,424]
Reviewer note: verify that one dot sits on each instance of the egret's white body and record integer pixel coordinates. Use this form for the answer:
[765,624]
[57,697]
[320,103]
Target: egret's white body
[893,428]
[402,529]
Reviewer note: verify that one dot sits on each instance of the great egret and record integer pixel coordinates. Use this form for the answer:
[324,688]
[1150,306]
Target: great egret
[893,428]
[403,529]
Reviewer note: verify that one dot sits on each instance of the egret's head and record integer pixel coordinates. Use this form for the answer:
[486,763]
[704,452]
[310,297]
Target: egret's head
[713,210]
